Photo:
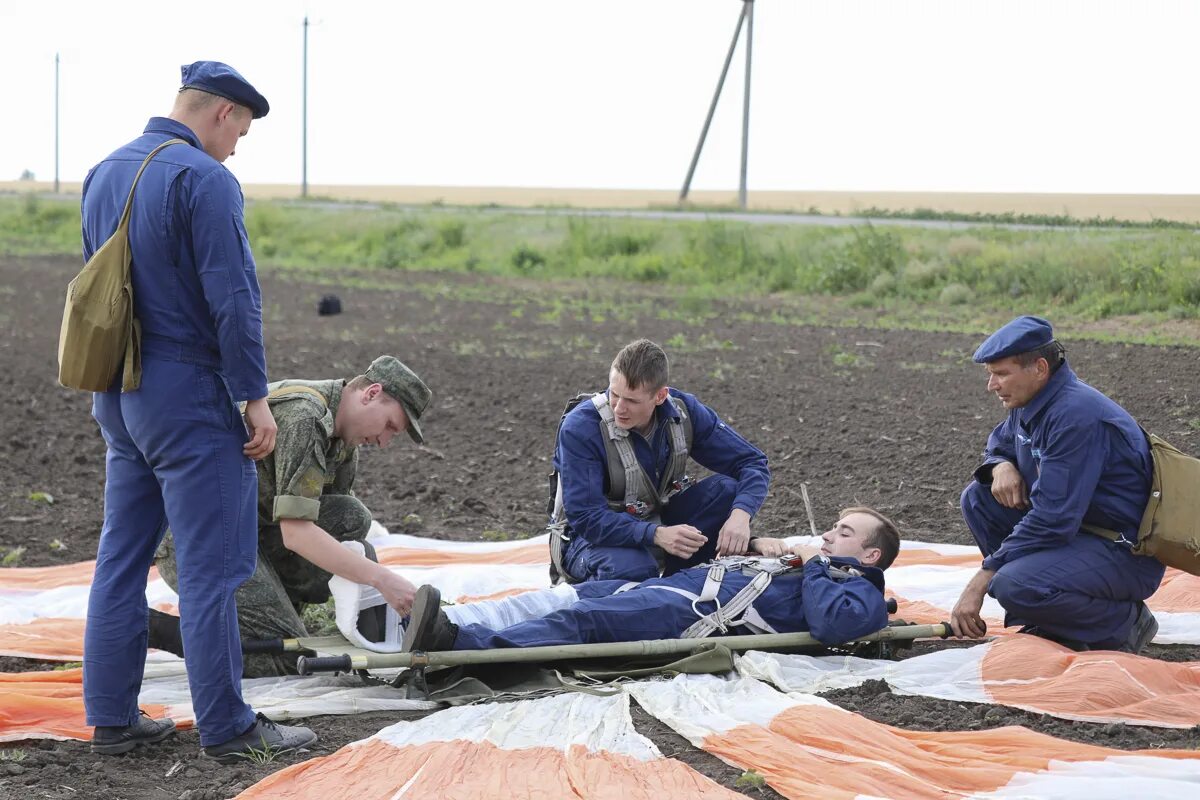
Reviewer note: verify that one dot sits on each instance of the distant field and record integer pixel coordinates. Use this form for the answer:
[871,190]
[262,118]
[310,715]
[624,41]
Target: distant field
[1133,207]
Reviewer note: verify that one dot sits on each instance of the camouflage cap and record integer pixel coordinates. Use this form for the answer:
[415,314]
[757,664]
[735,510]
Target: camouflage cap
[402,383]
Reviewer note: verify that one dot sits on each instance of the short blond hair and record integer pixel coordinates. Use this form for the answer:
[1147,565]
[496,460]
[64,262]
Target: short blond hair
[885,536]
[192,100]
[643,363]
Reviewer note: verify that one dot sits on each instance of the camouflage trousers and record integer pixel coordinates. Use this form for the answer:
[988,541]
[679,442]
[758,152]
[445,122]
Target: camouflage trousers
[271,601]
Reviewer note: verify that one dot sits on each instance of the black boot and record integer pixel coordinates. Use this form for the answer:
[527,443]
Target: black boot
[429,629]
[164,633]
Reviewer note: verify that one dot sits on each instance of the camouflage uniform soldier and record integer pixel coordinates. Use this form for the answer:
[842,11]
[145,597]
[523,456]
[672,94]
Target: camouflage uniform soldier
[306,504]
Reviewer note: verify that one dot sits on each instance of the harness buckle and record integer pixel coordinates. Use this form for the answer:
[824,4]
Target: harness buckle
[559,529]
[638,509]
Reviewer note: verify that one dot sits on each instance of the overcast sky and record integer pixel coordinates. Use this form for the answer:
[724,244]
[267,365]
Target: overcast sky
[938,95]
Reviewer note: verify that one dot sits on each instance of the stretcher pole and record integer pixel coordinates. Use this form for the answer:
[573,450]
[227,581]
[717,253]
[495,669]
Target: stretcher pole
[308,665]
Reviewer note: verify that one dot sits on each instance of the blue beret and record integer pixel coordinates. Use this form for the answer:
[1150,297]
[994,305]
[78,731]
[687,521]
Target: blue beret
[1019,336]
[223,80]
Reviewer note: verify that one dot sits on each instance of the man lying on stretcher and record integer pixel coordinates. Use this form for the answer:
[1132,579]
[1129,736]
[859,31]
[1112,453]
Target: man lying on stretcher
[835,592]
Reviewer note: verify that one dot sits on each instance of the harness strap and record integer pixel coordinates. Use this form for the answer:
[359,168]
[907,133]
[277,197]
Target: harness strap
[712,583]
[723,618]
[754,621]
[635,476]
[639,496]
[674,479]
[674,589]
[711,590]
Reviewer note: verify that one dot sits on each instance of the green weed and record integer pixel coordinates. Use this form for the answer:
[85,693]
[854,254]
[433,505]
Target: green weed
[318,618]
[846,358]
[260,756]
[750,779]
[12,557]
[42,497]
[497,536]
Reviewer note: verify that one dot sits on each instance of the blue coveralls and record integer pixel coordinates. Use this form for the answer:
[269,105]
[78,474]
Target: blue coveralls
[1084,460]
[610,545]
[175,445]
[834,606]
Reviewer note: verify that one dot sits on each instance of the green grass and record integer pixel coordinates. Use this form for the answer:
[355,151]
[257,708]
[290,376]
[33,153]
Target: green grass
[750,779]
[12,557]
[909,277]
[261,756]
[318,618]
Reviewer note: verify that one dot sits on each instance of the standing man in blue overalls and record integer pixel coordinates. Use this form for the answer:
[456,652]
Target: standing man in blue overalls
[178,451]
[1056,505]
[625,504]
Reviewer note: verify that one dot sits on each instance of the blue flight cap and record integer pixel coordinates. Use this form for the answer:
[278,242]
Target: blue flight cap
[225,81]
[1019,336]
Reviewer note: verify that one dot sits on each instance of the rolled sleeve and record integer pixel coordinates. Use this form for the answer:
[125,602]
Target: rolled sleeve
[229,282]
[292,507]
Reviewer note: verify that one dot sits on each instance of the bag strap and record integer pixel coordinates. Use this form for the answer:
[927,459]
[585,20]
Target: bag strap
[131,374]
[124,223]
[305,390]
[1103,533]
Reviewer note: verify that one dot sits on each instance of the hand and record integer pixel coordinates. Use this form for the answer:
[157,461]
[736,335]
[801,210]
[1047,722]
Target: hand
[768,546]
[262,430]
[965,619]
[680,540]
[734,538]
[805,551]
[397,590]
[1008,487]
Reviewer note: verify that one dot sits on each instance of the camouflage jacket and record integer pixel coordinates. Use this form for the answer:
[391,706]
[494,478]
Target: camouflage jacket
[308,461]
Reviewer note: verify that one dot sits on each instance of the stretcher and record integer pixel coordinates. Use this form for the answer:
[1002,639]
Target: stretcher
[336,654]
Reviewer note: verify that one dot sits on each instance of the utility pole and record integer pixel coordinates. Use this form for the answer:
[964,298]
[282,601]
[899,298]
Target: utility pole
[56,123]
[304,119]
[749,8]
[745,16]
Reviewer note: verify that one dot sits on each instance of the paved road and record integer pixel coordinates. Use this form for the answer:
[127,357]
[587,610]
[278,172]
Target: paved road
[747,217]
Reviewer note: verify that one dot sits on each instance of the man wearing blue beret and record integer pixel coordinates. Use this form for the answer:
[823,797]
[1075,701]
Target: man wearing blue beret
[1056,505]
[178,451]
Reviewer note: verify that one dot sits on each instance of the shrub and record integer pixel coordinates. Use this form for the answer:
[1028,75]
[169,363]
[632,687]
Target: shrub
[955,294]
[526,259]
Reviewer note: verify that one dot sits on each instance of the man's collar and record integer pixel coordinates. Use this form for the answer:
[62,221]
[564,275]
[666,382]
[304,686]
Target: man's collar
[173,128]
[1058,380]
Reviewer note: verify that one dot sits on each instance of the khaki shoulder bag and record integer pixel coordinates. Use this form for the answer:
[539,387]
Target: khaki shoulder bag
[1170,528]
[98,327]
